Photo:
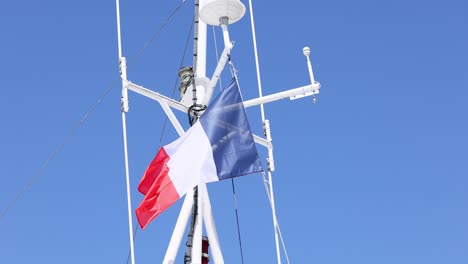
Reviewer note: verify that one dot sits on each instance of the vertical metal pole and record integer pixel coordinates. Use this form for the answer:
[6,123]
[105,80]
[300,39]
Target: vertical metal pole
[260,94]
[306,51]
[200,72]
[266,125]
[190,240]
[179,229]
[197,232]
[119,41]
[199,44]
[208,219]
[123,75]
[271,168]
[189,244]
[127,179]
[224,26]
[199,62]
[199,55]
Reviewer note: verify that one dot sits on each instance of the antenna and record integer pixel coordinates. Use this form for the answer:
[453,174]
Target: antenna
[306,51]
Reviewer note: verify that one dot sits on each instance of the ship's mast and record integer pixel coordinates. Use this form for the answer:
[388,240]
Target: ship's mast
[198,78]
[217,13]
[196,92]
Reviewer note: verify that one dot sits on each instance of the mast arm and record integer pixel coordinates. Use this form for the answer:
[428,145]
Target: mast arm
[296,93]
[217,73]
[262,141]
[170,115]
[155,96]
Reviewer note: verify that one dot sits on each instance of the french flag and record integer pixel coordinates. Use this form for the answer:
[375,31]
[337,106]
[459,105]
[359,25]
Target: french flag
[219,146]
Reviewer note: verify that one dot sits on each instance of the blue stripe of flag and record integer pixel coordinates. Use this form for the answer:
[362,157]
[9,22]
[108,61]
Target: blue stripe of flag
[227,128]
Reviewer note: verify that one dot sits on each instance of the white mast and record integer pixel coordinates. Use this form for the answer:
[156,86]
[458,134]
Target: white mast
[217,13]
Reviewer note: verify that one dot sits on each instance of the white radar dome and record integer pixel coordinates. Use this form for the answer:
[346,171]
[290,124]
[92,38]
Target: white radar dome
[211,11]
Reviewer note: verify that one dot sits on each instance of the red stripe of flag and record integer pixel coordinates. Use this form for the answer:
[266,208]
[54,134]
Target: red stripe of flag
[158,189]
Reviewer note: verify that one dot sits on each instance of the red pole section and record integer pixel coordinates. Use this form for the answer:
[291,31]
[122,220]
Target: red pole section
[205,244]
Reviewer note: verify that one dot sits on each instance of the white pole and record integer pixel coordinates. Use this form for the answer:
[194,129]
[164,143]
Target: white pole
[275,220]
[119,41]
[127,178]
[197,233]
[306,51]
[224,26]
[200,58]
[254,36]
[200,72]
[266,125]
[271,168]
[201,49]
[123,75]
[179,229]
[216,75]
[210,226]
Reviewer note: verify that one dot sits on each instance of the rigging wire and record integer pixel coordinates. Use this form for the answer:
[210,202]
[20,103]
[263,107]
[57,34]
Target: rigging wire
[35,176]
[237,221]
[91,109]
[155,35]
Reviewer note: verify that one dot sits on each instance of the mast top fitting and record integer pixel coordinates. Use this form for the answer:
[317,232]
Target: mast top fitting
[211,11]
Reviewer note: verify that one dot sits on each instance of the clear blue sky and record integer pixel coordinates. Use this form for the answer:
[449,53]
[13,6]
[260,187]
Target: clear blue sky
[375,172]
